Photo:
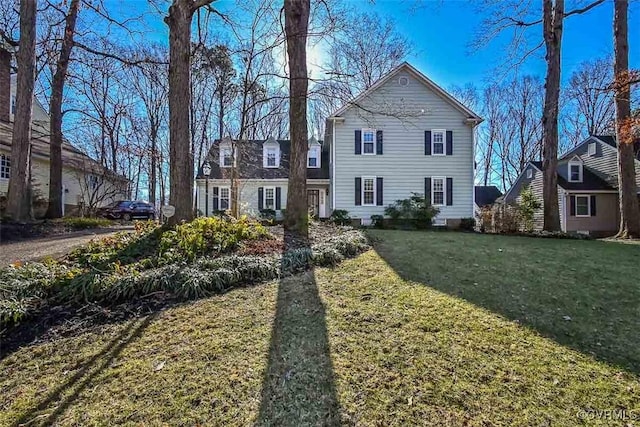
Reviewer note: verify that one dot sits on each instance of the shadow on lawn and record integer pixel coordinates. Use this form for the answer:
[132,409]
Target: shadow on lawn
[298,387]
[63,396]
[582,294]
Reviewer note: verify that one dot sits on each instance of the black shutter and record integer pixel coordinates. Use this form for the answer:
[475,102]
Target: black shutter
[427,142]
[379,186]
[449,191]
[449,143]
[592,200]
[572,205]
[379,142]
[216,199]
[427,190]
[260,198]
[358,191]
[278,198]
[358,142]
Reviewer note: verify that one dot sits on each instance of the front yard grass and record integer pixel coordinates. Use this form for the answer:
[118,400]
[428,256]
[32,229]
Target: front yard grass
[428,329]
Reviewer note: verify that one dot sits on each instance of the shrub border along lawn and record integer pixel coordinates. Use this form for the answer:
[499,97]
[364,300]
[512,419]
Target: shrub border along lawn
[32,284]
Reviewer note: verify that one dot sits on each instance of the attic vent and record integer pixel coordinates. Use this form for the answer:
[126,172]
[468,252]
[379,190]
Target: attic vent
[403,81]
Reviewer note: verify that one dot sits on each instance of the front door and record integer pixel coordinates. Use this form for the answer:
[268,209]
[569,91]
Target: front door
[313,201]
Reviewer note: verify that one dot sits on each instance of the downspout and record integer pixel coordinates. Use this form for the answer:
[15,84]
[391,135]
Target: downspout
[333,164]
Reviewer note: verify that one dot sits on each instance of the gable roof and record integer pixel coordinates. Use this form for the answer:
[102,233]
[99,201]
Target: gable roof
[423,79]
[590,181]
[250,164]
[486,194]
[609,140]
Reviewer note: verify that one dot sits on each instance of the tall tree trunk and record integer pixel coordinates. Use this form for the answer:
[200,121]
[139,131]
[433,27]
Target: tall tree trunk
[180,152]
[153,178]
[54,209]
[552,27]
[629,209]
[18,197]
[296,19]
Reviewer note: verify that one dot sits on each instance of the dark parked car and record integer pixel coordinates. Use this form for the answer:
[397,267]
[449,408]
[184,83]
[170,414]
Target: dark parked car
[127,210]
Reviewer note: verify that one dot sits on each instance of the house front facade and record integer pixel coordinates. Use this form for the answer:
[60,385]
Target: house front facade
[260,170]
[587,188]
[402,136]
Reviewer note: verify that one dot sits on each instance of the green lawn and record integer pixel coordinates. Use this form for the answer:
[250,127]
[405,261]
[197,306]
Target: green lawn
[428,329]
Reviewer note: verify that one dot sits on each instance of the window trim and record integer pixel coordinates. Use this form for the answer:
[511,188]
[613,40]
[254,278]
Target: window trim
[444,142]
[444,190]
[220,198]
[583,196]
[318,152]
[580,171]
[362,133]
[595,149]
[375,190]
[222,157]
[264,198]
[5,165]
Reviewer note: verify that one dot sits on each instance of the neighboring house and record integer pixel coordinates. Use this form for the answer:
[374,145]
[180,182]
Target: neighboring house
[86,184]
[587,187]
[403,135]
[486,195]
[262,171]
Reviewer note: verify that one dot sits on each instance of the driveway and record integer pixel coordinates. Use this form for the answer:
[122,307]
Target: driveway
[54,246]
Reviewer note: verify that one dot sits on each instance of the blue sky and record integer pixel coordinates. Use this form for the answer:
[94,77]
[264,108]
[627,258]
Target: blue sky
[443,30]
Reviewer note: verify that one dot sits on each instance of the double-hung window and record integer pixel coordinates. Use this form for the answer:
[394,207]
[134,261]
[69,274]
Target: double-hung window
[591,149]
[437,142]
[368,141]
[575,172]
[225,198]
[93,182]
[5,166]
[226,157]
[583,206]
[272,157]
[437,191]
[269,197]
[369,191]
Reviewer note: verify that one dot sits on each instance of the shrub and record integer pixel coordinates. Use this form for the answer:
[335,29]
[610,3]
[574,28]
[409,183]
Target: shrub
[77,223]
[415,211]
[268,214]
[468,224]
[206,236]
[377,221]
[527,207]
[340,217]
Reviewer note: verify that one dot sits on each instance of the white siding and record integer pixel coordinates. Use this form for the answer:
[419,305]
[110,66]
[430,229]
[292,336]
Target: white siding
[409,111]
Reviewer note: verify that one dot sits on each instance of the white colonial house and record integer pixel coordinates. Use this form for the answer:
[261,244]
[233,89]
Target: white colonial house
[403,135]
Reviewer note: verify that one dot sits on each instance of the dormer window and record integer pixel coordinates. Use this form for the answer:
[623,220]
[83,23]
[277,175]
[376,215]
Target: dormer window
[575,171]
[226,157]
[313,157]
[271,154]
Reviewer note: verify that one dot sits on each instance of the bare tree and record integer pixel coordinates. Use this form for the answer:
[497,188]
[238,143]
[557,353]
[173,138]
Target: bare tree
[97,187]
[629,203]
[296,18]
[19,194]
[588,108]
[55,111]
